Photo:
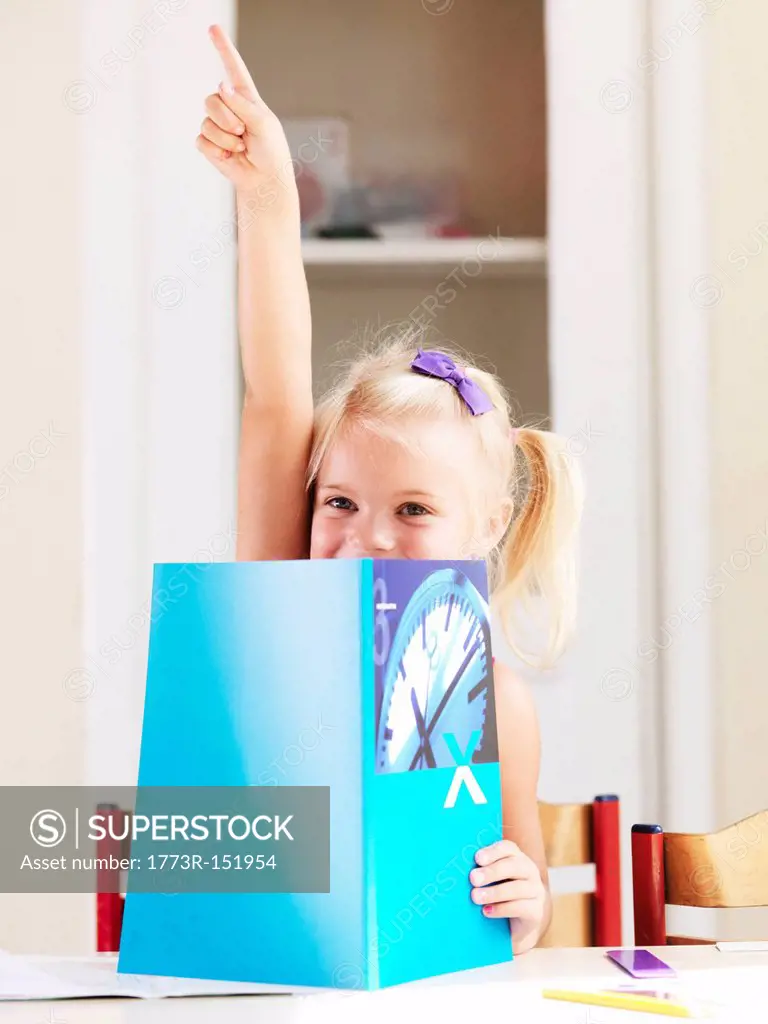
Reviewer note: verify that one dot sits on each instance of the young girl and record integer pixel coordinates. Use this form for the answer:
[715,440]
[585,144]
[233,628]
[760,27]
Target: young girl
[411,456]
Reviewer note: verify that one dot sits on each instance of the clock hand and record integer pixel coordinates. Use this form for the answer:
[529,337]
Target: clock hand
[424,745]
[448,652]
[431,652]
[445,698]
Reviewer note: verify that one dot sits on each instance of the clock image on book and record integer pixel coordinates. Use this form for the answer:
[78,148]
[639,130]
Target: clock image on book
[435,674]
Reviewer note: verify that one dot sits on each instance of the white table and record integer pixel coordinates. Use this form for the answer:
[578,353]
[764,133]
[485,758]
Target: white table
[507,993]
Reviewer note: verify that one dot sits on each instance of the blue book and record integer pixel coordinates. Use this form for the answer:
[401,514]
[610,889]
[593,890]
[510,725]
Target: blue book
[371,677]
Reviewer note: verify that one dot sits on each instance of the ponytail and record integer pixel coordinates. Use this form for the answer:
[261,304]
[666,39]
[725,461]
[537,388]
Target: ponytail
[536,563]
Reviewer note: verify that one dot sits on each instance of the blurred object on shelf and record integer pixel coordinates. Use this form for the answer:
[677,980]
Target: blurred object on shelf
[455,230]
[431,199]
[415,206]
[404,206]
[320,150]
[347,231]
[351,216]
[374,205]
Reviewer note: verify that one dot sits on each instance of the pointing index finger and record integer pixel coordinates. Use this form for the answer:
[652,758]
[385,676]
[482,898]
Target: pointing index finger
[234,65]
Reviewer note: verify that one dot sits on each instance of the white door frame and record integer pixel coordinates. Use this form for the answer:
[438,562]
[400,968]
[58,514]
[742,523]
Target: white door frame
[683,637]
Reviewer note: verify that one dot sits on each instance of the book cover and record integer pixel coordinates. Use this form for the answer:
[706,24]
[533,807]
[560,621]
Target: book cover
[372,678]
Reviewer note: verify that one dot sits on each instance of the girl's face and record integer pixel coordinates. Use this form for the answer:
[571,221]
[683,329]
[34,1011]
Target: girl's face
[375,498]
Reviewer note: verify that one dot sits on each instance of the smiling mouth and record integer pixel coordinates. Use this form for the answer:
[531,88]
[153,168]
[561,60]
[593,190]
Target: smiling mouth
[392,555]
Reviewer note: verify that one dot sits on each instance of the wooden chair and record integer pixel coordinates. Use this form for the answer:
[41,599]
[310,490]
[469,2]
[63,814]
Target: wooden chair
[728,868]
[577,834]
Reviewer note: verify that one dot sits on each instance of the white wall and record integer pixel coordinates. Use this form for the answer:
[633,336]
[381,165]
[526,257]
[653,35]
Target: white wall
[43,718]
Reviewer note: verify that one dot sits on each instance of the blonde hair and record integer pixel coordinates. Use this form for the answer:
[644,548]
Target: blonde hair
[535,560]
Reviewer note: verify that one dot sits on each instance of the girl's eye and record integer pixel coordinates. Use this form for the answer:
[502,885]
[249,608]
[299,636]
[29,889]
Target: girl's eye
[411,508]
[344,504]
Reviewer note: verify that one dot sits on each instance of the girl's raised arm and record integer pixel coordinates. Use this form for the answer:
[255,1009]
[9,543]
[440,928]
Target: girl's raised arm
[244,140]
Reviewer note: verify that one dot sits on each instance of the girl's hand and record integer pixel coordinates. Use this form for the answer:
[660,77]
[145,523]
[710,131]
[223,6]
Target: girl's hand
[519,895]
[241,136]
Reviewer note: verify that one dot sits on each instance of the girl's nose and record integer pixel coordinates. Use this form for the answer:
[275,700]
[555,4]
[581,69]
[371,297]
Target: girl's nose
[369,537]
[382,537]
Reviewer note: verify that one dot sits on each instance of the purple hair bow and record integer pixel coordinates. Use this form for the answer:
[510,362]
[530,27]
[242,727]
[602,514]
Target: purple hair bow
[432,363]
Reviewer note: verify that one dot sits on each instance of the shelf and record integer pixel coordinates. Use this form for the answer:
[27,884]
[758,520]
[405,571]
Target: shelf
[465,258]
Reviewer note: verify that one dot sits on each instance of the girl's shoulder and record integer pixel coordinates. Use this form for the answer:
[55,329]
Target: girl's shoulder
[515,705]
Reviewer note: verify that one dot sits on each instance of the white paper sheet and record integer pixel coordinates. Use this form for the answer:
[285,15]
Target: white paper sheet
[78,978]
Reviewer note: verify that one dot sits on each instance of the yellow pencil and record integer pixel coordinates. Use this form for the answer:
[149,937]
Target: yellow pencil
[621,1000]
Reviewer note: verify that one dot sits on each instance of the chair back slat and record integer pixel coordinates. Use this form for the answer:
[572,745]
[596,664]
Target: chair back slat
[728,868]
[572,921]
[567,831]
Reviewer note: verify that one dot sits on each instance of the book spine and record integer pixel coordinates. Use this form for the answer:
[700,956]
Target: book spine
[368,682]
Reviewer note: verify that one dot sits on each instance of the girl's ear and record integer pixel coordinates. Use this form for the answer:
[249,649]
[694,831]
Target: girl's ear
[489,532]
[498,523]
